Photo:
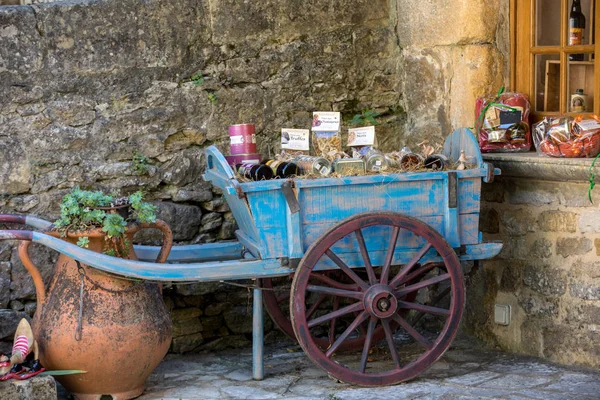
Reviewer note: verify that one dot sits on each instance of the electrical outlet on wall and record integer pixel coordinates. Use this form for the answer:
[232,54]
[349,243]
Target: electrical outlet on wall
[502,314]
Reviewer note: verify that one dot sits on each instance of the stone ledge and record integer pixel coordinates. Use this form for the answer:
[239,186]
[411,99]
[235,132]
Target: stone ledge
[38,388]
[533,166]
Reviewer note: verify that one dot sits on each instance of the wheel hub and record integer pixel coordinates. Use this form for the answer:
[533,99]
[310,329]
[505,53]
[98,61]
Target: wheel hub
[380,301]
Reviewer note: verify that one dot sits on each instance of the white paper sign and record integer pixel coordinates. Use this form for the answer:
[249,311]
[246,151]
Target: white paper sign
[364,136]
[326,121]
[295,139]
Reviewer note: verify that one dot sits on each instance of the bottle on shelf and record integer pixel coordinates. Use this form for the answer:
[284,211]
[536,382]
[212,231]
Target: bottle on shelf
[576,28]
[255,172]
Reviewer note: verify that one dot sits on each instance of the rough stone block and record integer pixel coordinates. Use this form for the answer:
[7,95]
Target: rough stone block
[517,222]
[211,221]
[572,344]
[590,222]
[184,221]
[9,319]
[43,258]
[493,192]
[38,388]
[185,314]
[511,277]
[558,221]
[584,290]
[5,268]
[543,307]
[239,319]
[212,323]
[489,221]
[199,289]
[428,25]
[545,280]
[541,248]
[187,327]
[185,344]
[576,246]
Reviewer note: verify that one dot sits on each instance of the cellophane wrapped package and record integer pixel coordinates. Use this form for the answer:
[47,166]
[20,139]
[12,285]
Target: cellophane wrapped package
[502,123]
[567,137]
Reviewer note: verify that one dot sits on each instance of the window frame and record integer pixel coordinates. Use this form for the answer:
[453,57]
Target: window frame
[523,51]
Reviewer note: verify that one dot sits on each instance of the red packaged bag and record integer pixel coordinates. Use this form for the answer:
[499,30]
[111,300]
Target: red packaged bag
[502,123]
[568,137]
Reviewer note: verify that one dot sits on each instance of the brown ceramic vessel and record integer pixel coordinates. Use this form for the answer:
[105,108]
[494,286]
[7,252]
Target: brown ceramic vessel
[124,330]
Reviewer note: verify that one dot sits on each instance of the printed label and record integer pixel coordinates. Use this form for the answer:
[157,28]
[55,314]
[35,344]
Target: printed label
[326,121]
[364,136]
[295,139]
[575,36]
[236,140]
[588,124]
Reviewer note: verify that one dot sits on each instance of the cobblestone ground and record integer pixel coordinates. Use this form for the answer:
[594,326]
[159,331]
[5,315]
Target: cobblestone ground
[467,371]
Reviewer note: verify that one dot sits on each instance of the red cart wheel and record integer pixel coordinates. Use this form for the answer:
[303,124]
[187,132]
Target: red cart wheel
[381,300]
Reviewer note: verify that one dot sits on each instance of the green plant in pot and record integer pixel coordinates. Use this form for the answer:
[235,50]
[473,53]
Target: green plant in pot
[115,328]
[82,210]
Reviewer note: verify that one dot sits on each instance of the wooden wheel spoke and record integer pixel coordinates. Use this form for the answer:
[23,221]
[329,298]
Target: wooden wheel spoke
[316,304]
[367,345]
[385,272]
[347,269]
[333,283]
[357,321]
[440,296]
[423,308]
[390,341]
[418,273]
[335,314]
[428,282]
[336,306]
[335,292]
[414,260]
[413,332]
[365,255]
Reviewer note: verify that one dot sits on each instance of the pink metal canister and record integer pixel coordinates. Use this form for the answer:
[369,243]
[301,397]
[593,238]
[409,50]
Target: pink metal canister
[242,139]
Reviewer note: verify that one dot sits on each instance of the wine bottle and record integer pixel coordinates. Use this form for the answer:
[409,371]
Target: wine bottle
[256,172]
[282,169]
[576,27]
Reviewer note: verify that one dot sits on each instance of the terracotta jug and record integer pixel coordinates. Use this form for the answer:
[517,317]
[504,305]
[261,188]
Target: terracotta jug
[116,329]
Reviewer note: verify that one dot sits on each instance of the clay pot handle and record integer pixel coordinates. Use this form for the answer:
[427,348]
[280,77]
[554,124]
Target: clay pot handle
[167,238]
[38,281]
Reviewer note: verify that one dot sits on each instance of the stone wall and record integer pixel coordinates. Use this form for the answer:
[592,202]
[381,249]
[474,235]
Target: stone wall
[548,270]
[88,84]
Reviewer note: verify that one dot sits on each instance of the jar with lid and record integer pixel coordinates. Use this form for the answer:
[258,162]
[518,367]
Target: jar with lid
[313,165]
[375,161]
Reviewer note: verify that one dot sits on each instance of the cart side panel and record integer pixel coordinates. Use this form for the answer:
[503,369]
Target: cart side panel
[269,210]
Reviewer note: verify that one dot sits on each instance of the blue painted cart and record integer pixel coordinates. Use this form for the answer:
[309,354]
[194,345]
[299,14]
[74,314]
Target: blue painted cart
[375,260]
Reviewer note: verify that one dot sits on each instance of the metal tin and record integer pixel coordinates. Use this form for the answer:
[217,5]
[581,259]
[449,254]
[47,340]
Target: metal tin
[313,165]
[349,166]
[437,162]
[242,139]
[411,161]
[375,161]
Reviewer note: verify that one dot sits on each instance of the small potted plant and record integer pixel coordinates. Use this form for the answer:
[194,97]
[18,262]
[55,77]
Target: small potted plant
[82,211]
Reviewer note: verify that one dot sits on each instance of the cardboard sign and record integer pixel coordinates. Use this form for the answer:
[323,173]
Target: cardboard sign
[295,139]
[364,136]
[325,121]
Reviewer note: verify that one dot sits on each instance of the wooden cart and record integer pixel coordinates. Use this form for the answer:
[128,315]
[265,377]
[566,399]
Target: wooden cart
[375,261]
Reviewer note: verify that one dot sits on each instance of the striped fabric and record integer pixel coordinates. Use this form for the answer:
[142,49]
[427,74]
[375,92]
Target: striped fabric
[21,345]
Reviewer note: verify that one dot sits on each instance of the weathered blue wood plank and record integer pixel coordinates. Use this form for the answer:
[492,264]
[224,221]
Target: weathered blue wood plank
[230,250]
[192,272]
[463,140]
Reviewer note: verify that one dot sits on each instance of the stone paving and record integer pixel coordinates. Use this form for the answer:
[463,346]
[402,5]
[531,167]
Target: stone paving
[467,371]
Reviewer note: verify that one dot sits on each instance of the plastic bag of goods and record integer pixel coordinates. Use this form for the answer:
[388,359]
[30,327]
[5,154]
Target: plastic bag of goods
[567,137]
[502,123]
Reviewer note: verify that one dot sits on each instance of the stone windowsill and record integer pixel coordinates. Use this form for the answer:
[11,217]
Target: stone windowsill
[531,165]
